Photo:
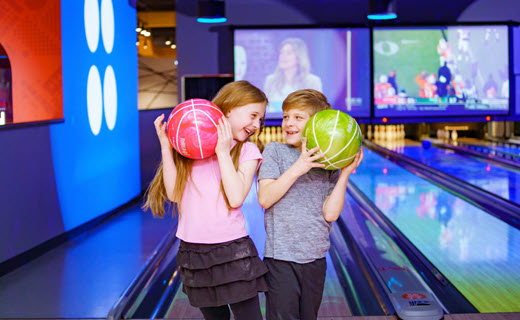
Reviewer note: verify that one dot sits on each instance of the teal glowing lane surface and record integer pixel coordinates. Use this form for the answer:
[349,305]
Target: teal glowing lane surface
[476,252]
[85,276]
[334,303]
[501,181]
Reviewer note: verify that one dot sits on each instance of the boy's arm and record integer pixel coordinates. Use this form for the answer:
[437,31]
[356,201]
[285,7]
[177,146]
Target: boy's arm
[334,202]
[271,191]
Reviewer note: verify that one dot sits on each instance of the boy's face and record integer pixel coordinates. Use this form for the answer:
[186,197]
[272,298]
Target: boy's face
[293,122]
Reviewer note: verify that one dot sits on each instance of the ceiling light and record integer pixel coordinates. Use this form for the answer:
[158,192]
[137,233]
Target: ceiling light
[381,10]
[212,11]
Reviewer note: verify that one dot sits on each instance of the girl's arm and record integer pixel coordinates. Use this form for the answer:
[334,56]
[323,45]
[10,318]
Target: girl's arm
[270,191]
[169,169]
[237,183]
[334,202]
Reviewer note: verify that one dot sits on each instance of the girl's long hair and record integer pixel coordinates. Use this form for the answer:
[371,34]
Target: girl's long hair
[304,65]
[233,95]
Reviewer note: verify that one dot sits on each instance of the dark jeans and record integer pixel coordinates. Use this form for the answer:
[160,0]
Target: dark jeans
[295,290]
[243,310]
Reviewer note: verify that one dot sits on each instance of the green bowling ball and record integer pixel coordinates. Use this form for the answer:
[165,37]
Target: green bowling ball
[337,134]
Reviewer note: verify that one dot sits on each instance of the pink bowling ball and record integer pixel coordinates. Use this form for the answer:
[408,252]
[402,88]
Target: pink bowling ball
[192,128]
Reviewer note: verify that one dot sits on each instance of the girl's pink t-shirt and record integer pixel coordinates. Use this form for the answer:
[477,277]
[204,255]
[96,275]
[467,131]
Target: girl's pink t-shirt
[205,217]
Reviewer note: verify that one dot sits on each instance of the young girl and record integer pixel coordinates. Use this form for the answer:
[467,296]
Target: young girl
[219,262]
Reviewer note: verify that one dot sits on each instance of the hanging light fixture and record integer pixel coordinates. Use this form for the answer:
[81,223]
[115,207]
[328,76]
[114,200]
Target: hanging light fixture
[212,11]
[381,10]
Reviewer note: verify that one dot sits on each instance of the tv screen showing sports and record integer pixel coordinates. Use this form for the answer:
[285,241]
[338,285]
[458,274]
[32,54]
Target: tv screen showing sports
[335,62]
[441,71]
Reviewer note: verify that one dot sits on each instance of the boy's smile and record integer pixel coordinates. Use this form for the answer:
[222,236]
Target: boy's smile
[293,123]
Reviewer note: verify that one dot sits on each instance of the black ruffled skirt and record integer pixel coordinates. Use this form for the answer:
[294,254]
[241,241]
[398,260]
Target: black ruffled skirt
[222,273]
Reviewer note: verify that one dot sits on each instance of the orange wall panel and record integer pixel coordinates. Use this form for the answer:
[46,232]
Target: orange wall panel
[31,35]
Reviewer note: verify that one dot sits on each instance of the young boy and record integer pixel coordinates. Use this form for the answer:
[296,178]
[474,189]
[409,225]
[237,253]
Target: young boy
[301,201]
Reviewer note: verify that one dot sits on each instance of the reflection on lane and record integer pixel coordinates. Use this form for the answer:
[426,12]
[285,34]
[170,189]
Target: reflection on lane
[478,253]
[511,148]
[504,182]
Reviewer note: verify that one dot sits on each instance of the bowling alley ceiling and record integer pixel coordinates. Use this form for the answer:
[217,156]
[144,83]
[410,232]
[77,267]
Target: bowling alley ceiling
[155,5]
[160,15]
[408,10]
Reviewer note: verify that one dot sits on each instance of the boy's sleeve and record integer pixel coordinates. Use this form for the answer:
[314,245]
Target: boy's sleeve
[270,169]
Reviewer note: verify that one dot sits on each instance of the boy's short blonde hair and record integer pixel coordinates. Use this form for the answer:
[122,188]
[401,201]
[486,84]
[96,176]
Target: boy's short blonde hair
[309,100]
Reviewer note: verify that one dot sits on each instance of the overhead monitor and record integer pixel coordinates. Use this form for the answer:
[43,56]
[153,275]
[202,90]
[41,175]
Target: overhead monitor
[335,62]
[441,71]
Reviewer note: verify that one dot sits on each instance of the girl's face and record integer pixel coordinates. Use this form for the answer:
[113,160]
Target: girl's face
[287,58]
[293,124]
[245,120]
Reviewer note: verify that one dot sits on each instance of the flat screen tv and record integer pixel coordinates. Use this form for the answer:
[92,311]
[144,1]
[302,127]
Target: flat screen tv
[441,71]
[335,61]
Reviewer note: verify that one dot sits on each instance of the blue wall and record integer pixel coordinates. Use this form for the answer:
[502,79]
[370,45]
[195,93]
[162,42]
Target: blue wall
[29,206]
[150,149]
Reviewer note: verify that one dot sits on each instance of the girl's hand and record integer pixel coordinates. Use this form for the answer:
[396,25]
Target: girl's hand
[160,128]
[354,164]
[306,160]
[225,136]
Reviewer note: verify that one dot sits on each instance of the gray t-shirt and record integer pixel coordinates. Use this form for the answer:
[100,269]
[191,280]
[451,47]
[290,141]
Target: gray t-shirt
[295,228]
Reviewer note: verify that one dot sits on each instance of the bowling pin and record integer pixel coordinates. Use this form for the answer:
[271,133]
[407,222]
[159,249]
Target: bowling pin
[369,132]
[2,118]
[261,136]
[377,134]
[268,137]
[454,135]
[279,134]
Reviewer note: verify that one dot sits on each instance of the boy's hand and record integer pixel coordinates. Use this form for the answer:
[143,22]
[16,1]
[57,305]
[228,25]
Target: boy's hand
[354,164]
[160,129]
[306,160]
[225,136]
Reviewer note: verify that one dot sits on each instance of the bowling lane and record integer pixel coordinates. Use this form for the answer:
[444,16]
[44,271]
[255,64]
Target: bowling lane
[334,304]
[478,253]
[501,181]
[84,277]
